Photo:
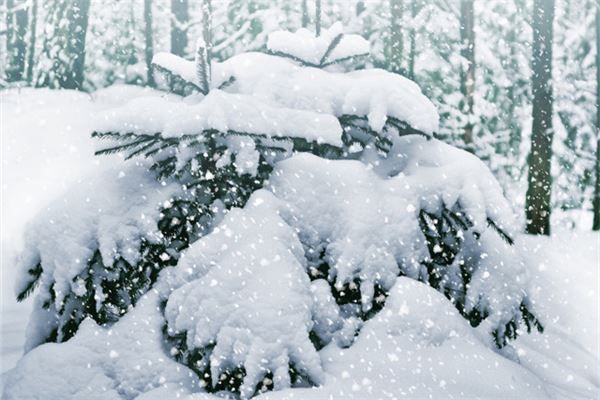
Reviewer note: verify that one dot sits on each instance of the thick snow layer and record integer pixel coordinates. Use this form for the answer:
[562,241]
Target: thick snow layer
[254,300]
[111,212]
[182,67]
[306,46]
[373,93]
[565,271]
[46,149]
[371,226]
[173,116]
[279,82]
[118,363]
[417,347]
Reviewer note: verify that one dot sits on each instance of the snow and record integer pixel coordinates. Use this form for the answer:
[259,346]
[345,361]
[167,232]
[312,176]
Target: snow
[173,116]
[184,68]
[565,269]
[42,156]
[252,300]
[417,346]
[280,83]
[373,93]
[355,211]
[113,221]
[99,363]
[306,46]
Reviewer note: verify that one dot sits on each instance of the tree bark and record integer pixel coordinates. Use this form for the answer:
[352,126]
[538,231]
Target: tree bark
[514,141]
[538,196]
[396,40]
[305,18]
[318,17]
[467,81]
[596,224]
[81,10]
[148,42]
[32,38]
[16,47]
[80,17]
[412,51]
[179,16]
[207,28]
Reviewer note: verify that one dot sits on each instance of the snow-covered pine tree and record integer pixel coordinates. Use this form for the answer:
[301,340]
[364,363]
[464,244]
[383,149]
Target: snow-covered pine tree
[311,244]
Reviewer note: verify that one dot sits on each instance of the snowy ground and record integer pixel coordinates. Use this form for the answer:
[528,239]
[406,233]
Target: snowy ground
[46,148]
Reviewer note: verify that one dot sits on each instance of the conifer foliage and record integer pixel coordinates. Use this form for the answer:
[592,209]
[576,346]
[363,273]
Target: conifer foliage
[230,185]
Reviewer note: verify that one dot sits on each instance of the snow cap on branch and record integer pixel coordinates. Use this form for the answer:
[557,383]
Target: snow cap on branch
[331,46]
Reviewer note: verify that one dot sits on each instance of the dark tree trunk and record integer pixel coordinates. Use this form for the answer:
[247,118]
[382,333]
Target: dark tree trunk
[318,17]
[467,81]
[412,51]
[515,131]
[596,225]
[77,34]
[305,18]
[148,42]
[64,44]
[396,40]
[179,18]
[16,46]
[32,38]
[538,196]
[256,26]
[207,28]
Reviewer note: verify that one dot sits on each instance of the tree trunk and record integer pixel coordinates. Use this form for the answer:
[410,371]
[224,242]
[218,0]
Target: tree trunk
[256,26]
[70,72]
[16,47]
[412,51]
[77,34]
[207,28]
[514,141]
[396,41]
[305,18]
[32,38]
[467,81]
[318,17]
[596,225]
[148,42]
[179,17]
[538,196]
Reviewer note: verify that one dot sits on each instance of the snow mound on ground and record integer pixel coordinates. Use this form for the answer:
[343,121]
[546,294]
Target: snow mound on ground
[306,46]
[113,220]
[98,363]
[253,301]
[417,347]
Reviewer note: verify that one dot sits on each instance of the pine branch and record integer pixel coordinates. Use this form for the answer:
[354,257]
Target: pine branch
[500,232]
[175,79]
[293,58]
[131,145]
[35,274]
[202,66]
[227,83]
[343,59]
[334,43]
